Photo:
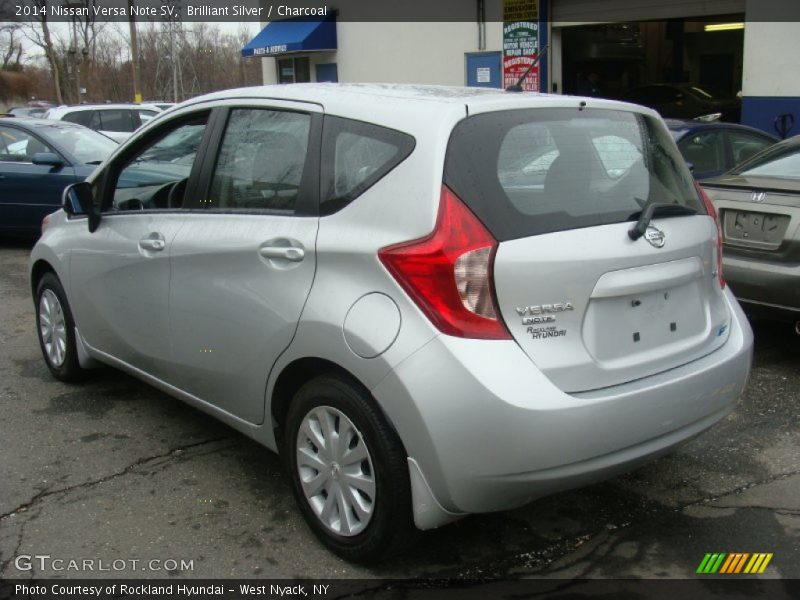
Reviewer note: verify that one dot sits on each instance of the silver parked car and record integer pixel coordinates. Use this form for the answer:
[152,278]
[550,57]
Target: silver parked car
[759,208]
[387,285]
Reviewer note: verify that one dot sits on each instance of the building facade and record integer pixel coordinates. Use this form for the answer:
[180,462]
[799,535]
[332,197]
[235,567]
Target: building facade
[730,49]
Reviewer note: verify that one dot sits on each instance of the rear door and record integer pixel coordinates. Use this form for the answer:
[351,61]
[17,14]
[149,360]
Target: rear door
[244,260]
[560,188]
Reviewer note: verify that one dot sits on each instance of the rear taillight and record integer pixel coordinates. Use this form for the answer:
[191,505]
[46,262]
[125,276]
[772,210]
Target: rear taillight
[449,273]
[713,214]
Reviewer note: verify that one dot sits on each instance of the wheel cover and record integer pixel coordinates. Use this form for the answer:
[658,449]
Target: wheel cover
[52,328]
[335,471]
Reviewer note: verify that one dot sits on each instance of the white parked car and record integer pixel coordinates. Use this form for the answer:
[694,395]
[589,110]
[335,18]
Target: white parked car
[117,121]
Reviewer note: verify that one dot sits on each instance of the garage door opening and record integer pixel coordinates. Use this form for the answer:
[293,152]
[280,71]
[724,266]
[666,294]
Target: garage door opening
[683,68]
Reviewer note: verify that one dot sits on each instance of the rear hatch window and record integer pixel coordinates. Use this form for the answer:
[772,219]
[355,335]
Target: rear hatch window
[528,172]
[560,188]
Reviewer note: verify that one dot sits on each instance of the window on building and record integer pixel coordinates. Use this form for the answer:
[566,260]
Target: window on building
[294,70]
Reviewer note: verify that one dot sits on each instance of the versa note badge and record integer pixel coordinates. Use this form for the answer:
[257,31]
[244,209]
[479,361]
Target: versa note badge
[758,196]
[655,236]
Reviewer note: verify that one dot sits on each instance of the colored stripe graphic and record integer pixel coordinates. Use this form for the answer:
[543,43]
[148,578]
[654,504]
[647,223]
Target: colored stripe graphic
[703,563]
[753,563]
[766,562]
[720,562]
[711,563]
[732,558]
[741,562]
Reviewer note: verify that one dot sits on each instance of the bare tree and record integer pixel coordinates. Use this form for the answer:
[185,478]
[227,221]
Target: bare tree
[10,46]
[38,32]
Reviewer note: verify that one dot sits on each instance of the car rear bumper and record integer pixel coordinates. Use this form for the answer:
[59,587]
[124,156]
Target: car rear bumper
[490,432]
[766,288]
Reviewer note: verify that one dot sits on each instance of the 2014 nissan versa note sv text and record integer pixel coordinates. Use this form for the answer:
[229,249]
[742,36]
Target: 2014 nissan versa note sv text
[430,301]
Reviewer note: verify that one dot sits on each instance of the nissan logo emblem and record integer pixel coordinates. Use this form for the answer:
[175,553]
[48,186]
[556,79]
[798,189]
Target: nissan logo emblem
[655,236]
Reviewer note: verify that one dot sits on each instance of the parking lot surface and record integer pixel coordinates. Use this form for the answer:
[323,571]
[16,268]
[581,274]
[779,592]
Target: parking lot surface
[114,470]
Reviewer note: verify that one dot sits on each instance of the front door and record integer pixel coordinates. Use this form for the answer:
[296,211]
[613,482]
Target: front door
[120,273]
[242,268]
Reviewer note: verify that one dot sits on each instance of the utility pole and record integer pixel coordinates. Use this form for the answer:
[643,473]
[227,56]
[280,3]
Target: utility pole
[75,59]
[137,92]
[174,63]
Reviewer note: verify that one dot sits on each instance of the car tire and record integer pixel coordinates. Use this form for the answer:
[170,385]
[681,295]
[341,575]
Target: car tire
[340,451]
[55,329]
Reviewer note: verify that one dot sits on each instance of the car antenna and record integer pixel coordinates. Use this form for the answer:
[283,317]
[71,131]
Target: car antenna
[517,87]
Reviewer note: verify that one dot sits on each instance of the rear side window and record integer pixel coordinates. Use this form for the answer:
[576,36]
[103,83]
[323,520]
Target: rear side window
[115,120]
[705,151]
[261,161]
[355,156]
[145,116]
[529,172]
[81,117]
[745,145]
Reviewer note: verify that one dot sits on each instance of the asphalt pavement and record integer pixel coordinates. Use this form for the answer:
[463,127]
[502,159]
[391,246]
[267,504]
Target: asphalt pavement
[115,472]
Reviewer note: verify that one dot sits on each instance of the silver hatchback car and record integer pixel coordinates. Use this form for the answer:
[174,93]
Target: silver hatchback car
[430,301]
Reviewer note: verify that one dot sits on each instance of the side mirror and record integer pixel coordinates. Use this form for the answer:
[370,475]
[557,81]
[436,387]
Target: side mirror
[78,199]
[47,159]
[691,166]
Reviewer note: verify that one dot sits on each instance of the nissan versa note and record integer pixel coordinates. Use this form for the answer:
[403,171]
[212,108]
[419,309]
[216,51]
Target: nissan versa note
[430,301]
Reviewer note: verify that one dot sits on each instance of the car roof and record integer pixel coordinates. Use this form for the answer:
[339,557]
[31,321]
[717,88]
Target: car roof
[355,98]
[34,123]
[685,126]
[29,123]
[100,105]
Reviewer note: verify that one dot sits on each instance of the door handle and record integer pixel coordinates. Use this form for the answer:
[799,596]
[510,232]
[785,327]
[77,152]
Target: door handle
[285,252]
[154,244]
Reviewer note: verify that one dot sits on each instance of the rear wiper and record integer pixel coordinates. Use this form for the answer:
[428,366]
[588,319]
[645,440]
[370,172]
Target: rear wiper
[664,209]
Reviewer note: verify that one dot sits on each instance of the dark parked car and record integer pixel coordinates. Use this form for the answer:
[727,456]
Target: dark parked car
[685,101]
[38,159]
[715,148]
[759,207]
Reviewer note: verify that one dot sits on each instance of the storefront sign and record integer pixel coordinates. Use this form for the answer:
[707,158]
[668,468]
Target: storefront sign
[520,42]
[520,10]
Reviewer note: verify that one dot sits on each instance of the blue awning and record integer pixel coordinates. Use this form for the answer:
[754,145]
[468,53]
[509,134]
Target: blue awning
[293,35]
